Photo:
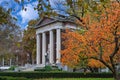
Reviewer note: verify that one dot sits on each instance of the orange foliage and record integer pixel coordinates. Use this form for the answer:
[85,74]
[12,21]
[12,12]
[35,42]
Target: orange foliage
[97,41]
[95,63]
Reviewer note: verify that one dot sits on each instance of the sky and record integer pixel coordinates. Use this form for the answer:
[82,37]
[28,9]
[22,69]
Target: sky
[23,17]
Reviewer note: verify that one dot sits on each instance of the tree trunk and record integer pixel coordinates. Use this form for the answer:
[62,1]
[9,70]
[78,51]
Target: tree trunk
[3,61]
[10,61]
[116,76]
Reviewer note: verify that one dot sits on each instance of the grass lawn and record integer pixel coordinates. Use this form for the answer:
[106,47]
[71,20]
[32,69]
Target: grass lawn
[76,79]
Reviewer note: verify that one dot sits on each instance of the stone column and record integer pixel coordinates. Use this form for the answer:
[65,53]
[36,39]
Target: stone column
[58,44]
[38,49]
[51,47]
[43,47]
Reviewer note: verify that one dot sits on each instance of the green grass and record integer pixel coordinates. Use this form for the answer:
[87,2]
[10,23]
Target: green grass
[76,79]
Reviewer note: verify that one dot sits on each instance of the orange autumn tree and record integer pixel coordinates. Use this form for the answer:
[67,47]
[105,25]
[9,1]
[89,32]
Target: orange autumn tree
[97,41]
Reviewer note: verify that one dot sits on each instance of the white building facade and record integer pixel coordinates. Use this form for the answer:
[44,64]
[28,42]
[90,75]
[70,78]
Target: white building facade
[49,40]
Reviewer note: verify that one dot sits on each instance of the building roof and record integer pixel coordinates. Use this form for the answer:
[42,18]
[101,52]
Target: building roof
[49,20]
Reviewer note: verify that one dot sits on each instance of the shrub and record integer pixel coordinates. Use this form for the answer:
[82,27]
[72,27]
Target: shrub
[13,78]
[12,67]
[48,68]
[39,70]
[56,75]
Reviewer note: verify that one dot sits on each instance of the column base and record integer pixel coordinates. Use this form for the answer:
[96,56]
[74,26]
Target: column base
[58,61]
[40,65]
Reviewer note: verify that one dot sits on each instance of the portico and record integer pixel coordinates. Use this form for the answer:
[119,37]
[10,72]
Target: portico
[48,36]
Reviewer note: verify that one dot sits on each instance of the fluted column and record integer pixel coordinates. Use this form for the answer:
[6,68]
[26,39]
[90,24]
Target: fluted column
[58,42]
[43,47]
[51,47]
[38,50]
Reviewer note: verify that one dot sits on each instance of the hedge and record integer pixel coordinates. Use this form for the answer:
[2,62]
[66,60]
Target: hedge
[56,75]
[13,78]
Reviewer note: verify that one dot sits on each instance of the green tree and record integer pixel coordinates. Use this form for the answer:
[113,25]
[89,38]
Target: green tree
[29,41]
[9,33]
[72,8]
[3,16]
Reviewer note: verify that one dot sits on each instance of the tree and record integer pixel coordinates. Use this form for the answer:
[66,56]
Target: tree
[98,40]
[3,16]
[29,41]
[9,34]
[70,8]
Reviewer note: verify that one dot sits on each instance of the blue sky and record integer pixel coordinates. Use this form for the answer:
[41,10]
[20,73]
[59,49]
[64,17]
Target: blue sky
[23,17]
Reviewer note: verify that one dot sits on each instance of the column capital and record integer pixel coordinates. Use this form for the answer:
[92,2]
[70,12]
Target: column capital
[58,28]
[43,32]
[38,33]
[51,30]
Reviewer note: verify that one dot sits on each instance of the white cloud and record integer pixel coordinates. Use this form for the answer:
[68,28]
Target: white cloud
[19,0]
[29,14]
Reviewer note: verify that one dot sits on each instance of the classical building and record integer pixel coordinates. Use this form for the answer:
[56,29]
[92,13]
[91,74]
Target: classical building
[48,31]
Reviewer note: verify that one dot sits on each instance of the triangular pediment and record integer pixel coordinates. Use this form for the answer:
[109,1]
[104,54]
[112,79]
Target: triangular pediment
[45,20]
[50,20]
